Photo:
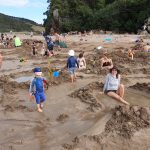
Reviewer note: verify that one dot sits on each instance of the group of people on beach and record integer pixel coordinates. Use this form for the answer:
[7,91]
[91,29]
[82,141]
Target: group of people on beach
[56,42]
[112,85]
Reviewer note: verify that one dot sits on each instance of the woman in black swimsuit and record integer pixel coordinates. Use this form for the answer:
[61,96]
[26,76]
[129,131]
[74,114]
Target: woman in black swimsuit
[106,63]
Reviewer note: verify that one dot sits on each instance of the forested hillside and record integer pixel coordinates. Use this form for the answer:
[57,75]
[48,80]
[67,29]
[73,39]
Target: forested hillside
[115,15]
[8,23]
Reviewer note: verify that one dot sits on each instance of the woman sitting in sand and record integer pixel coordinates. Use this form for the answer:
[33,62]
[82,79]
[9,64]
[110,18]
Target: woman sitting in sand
[112,86]
[106,63]
[81,61]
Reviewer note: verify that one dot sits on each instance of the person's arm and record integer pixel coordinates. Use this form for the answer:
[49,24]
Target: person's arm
[31,89]
[68,63]
[102,62]
[106,83]
[84,62]
[111,63]
[119,79]
[77,63]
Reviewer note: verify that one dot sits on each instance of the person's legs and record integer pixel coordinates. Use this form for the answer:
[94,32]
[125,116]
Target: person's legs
[72,78]
[120,90]
[37,97]
[39,108]
[42,99]
[71,71]
[117,97]
[74,74]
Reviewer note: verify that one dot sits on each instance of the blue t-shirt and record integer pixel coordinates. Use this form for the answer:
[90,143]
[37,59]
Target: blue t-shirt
[72,62]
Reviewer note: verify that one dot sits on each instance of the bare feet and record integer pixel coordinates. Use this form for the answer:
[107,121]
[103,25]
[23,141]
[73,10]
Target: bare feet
[41,105]
[40,110]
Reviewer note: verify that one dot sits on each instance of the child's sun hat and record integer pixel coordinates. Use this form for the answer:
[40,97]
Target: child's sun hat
[71,53]
[37,71]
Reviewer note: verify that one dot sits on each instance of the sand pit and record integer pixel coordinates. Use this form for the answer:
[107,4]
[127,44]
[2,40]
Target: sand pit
[75,116]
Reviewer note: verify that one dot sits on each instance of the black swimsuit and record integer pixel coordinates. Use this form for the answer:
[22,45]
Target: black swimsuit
[106,64]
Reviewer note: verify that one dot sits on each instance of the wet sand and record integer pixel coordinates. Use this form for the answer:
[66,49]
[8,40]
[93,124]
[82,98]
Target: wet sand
[76,116]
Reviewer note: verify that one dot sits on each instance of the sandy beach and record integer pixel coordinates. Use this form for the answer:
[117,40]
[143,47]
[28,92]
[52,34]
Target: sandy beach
[76,116]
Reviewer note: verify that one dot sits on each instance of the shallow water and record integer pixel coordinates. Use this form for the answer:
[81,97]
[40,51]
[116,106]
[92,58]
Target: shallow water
[24,79]
[135,97]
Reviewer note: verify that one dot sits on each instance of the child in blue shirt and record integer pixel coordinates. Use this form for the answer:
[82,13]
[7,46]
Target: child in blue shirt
[72,65]
[37,89]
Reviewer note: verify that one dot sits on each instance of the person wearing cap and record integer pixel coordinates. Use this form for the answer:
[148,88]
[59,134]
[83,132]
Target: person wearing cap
[113,87]
[37,88]
[72,65]
[106,63]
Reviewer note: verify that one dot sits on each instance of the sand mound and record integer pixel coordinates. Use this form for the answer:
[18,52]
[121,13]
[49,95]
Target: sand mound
[85,94]
[120,59]
[123,123]
[142,87]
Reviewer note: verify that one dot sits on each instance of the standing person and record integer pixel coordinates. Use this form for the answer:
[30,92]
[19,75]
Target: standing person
[2,36]
[1,59]
[112,86]
[42,50]
[81,61]
[31,34]
[72,65]
[37,89]
[50,46]
[34,50]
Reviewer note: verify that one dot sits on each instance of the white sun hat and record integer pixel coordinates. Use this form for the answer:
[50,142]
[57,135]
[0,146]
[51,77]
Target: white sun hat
[71,52]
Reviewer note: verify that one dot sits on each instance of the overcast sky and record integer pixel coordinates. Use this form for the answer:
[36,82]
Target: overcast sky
[30,9]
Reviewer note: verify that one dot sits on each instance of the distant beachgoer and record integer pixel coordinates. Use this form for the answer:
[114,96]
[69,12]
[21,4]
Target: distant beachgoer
[2,36]
[37,89]
[106,63]
[42,50]
[50,46]
[1,59]
[17,41]
[34,50]
[72,65]
[131,53]
[31,34]
[112,86]
[81,61]
[146,48]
